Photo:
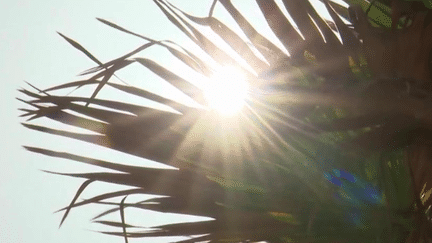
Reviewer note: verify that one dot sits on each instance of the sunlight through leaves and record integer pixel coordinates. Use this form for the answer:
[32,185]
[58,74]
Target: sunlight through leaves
[226,91]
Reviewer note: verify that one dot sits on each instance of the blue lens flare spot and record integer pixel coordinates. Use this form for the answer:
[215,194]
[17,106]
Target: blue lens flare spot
[332,179]
[345,175]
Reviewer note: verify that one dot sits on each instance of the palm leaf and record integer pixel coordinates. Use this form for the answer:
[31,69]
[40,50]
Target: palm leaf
[300,166]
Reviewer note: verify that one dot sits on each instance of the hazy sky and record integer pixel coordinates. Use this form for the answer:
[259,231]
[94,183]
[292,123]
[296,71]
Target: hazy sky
[31,50]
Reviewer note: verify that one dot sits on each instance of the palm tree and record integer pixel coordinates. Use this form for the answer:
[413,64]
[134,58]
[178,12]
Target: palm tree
[332,143]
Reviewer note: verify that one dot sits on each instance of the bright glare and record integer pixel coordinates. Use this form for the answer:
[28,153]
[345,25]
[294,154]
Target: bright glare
[227,91]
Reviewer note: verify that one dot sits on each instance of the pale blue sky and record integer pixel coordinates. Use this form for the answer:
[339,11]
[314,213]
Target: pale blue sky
[31,50]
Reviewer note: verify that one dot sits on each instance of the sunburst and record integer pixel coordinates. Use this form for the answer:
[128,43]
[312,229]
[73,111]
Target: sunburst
[226,91]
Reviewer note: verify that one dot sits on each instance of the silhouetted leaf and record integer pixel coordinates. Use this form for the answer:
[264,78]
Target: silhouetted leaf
[80,48]
[215,52]
[80,190]
[114,224]
[178,82]
[122,215]
[107,76]
[282,28]
[231,38]
[267,48]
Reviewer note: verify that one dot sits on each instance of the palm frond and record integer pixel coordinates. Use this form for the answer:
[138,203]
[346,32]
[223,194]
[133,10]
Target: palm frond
[308,121]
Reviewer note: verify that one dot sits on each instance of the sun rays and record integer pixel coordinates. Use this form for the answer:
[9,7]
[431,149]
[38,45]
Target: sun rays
[245,143]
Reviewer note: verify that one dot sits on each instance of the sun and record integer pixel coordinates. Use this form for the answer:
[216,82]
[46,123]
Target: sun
[226,91]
